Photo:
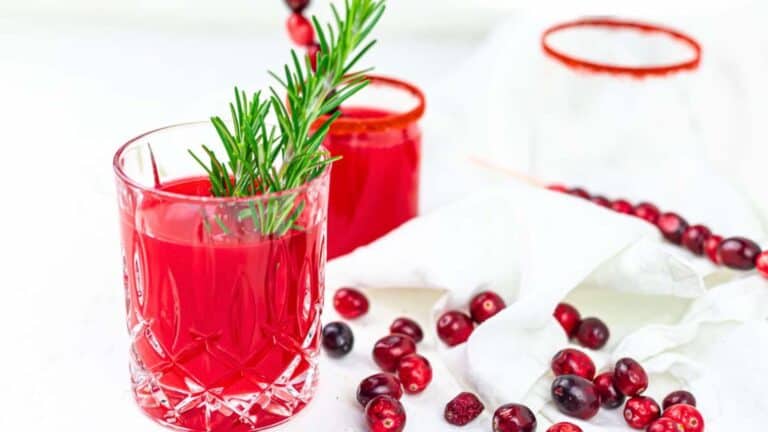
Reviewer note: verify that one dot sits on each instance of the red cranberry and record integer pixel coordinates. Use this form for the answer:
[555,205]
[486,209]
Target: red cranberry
[350,303]
[738,253]
[694,237]
[640,411]
[601,201]
[385,414]
[762,263]
[564,427]
[388,351]
[557,188]
[514,418]
[301,30]
[454,328]
[312,51]
[297,5]
[592,333]
[622,206]
[338,339]
[463,409]
[672,226]
[408,327]
[711,245]
[485,305]
[610,397]
[415,373]
[378,385]
[648,212]
[579,192]
[575,396]
[629,377]
[665,425]
[573,362]
[678,397]
[568,317]
[688,415]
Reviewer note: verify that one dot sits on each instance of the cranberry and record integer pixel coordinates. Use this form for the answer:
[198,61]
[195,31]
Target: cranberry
[312,51]
[388,351]
[592,333]
[297,5]
[678,397]
[408,327]
[711,245]
[573,362]
[485,305]
[601,201]
[648,212]
[338,339]
[672,226]
[454,327]
[610,397]
[350,303]
[378,385]
[665,425]
[463,409]
[629,377]
[579,192]
[568,317]
[557,188]
[415,373]
[575,396]
[688,415]
[762,263]
[514,418]
[301,30]
[694,237]
[385,414]
[640,411]
[622,206]
[738,253]
[564,427]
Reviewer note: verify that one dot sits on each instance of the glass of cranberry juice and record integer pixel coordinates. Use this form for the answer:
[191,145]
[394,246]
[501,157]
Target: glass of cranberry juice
[223,311]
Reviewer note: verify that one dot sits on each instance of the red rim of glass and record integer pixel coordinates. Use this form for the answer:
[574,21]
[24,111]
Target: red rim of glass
[616,23]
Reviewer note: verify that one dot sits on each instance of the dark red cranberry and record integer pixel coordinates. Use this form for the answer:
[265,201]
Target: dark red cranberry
[622,206]
[629,377]
[485,305]
[338,339]
[415,373]
[557,188]
[573,362]
[592,333]
[665,425]
[579,192]
[678,397]
[575,396]
[463,409]
[385,414]
[610,396]
[350,303]
[762,263]
[738,253]
[711,245]
[297,5]
[688,415]
[694,237]
[454,327]
[641,411]
[601,201]
[312,51]
[301,30]
[568,317]
[648,212]
[564,427]
[514,418]
[672,227]
[408,327]
[378,385]
[388,351]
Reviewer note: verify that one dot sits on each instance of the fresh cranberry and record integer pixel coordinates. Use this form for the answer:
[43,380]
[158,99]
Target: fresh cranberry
[672,227]
[454,327]
[378,385]
[762,263]
[738,253]
[388,351]
[485,305]
[514,418]
[408,327]
[694,237]
[568,317]
[385,414]
[622,206]
[301,30]
[415,373]
[579,192]
[678,397]
[629,377]
[575,396]
[601,201]
[557,188]
[610,397]
[297,5]
[338,339]
[665,425]
[711,245]
[688,415]
[641,411]
[350,303]
[592,333]
[564,427]
[573,362]
[312,51]
[648,212]
[463,409]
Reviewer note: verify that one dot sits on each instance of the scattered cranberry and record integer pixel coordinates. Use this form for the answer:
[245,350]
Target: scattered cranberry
[415,373]
[463,409]
[338,339]
[297,5]
[738,253]
[312,51]
[388,351]
[379,384]
[678,397]
[762,263]
[601,201]
[564,427]
[711,245]
[485,305]
[300,30]
[665,425]
[694,237]
[385,414]
[610,397]
[641,411]
[350,303]
[575,396]
[672,226]
[408,327]
[573,362]
[688,415]
[568,317]
[592,333]
[454,327]
[622,206]
[514,418]
[647,212]
[579,192]
[629,377]
[557,188]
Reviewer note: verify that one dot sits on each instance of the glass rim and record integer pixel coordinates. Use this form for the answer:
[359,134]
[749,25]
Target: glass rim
[124,177]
